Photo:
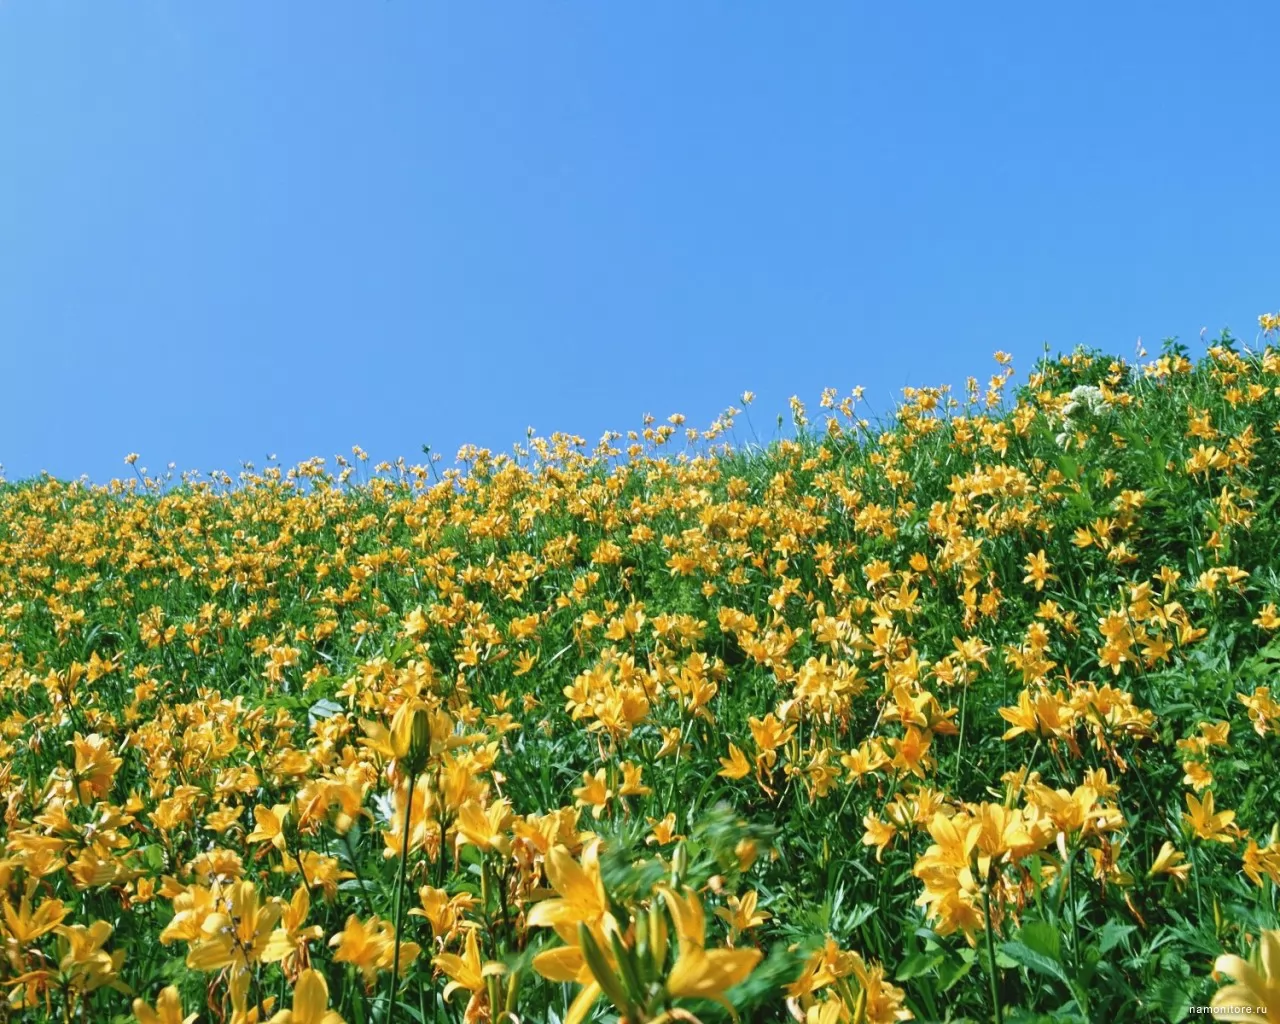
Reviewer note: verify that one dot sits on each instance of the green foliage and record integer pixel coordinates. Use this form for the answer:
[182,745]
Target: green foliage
[883,595]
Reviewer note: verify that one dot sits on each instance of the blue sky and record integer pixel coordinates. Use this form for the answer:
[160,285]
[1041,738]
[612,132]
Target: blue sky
[236,228]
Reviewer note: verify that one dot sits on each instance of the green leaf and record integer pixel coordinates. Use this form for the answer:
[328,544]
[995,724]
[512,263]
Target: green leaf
[1004,961]
[917,964]
[323,709]
[1043,938]
[1024,956]
[1173,998]
[1113,933]
[952,971]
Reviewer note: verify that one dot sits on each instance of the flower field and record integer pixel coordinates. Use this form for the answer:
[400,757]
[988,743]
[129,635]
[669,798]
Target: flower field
[965,713]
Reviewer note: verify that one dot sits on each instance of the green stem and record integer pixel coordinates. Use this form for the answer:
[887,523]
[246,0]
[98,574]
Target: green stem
[1070,890]
[991,954]
[502,902]
[355,866]
[399,910]
[1195,874]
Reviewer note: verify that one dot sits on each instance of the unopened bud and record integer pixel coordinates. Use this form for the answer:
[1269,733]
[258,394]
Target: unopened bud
[679,865]
[625,959]
[600,969]
[657,938]
[419,741]
[513,991]
[642,944]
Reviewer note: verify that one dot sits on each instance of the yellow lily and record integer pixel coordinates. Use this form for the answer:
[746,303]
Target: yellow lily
[741,914]
[288,943]
[468,972]
[484,827]
[25,926]
[700,973]
[310,1002]
[580,888]
[1216,827]
[1256,996]
[237,935]
[168,1009]
[269,826]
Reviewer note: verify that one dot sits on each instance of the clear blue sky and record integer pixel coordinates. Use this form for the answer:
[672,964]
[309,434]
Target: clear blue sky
[235,228]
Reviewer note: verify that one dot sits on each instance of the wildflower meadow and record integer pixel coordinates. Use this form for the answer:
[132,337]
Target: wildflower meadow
[964,711]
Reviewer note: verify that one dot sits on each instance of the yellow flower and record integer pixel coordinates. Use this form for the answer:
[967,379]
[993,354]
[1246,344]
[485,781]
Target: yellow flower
[168,1009]
[269,826]
[191,907]
[1197,776]
[467,972]
[593,793]
[1038,570]
[736,765]
[223,818]
[580,889]
[369,946]
[672,745]
[83,963]
[1211,827]
[484,827]
[741,914]
[24,926]
[872,1000]
[1170,861]
[1256,995]
[950,891]
[443,913]
[288,943]
[567,964]
[1262,860]
[580,915]
[415,623]
[1268,618]
[318,870]
[310,1002]
[769,733]
[464,971]
[631,781]
[415,729]
[361,944]
[95,767]
[700,973]
[878,833]
[411,735]
[237,933]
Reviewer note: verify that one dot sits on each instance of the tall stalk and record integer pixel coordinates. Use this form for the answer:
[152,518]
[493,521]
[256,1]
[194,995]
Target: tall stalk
[399,905]
[991,952]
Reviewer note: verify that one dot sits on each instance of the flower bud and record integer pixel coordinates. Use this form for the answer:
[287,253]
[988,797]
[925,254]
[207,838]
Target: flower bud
[657,937]
[513,991]
[608,980]
[679,865]
[411,736]
[419,740]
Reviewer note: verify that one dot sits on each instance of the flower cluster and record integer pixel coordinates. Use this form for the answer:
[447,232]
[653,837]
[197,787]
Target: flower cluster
[967,708]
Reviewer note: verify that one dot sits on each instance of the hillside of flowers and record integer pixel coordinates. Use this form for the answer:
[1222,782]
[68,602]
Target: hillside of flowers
[960,713]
